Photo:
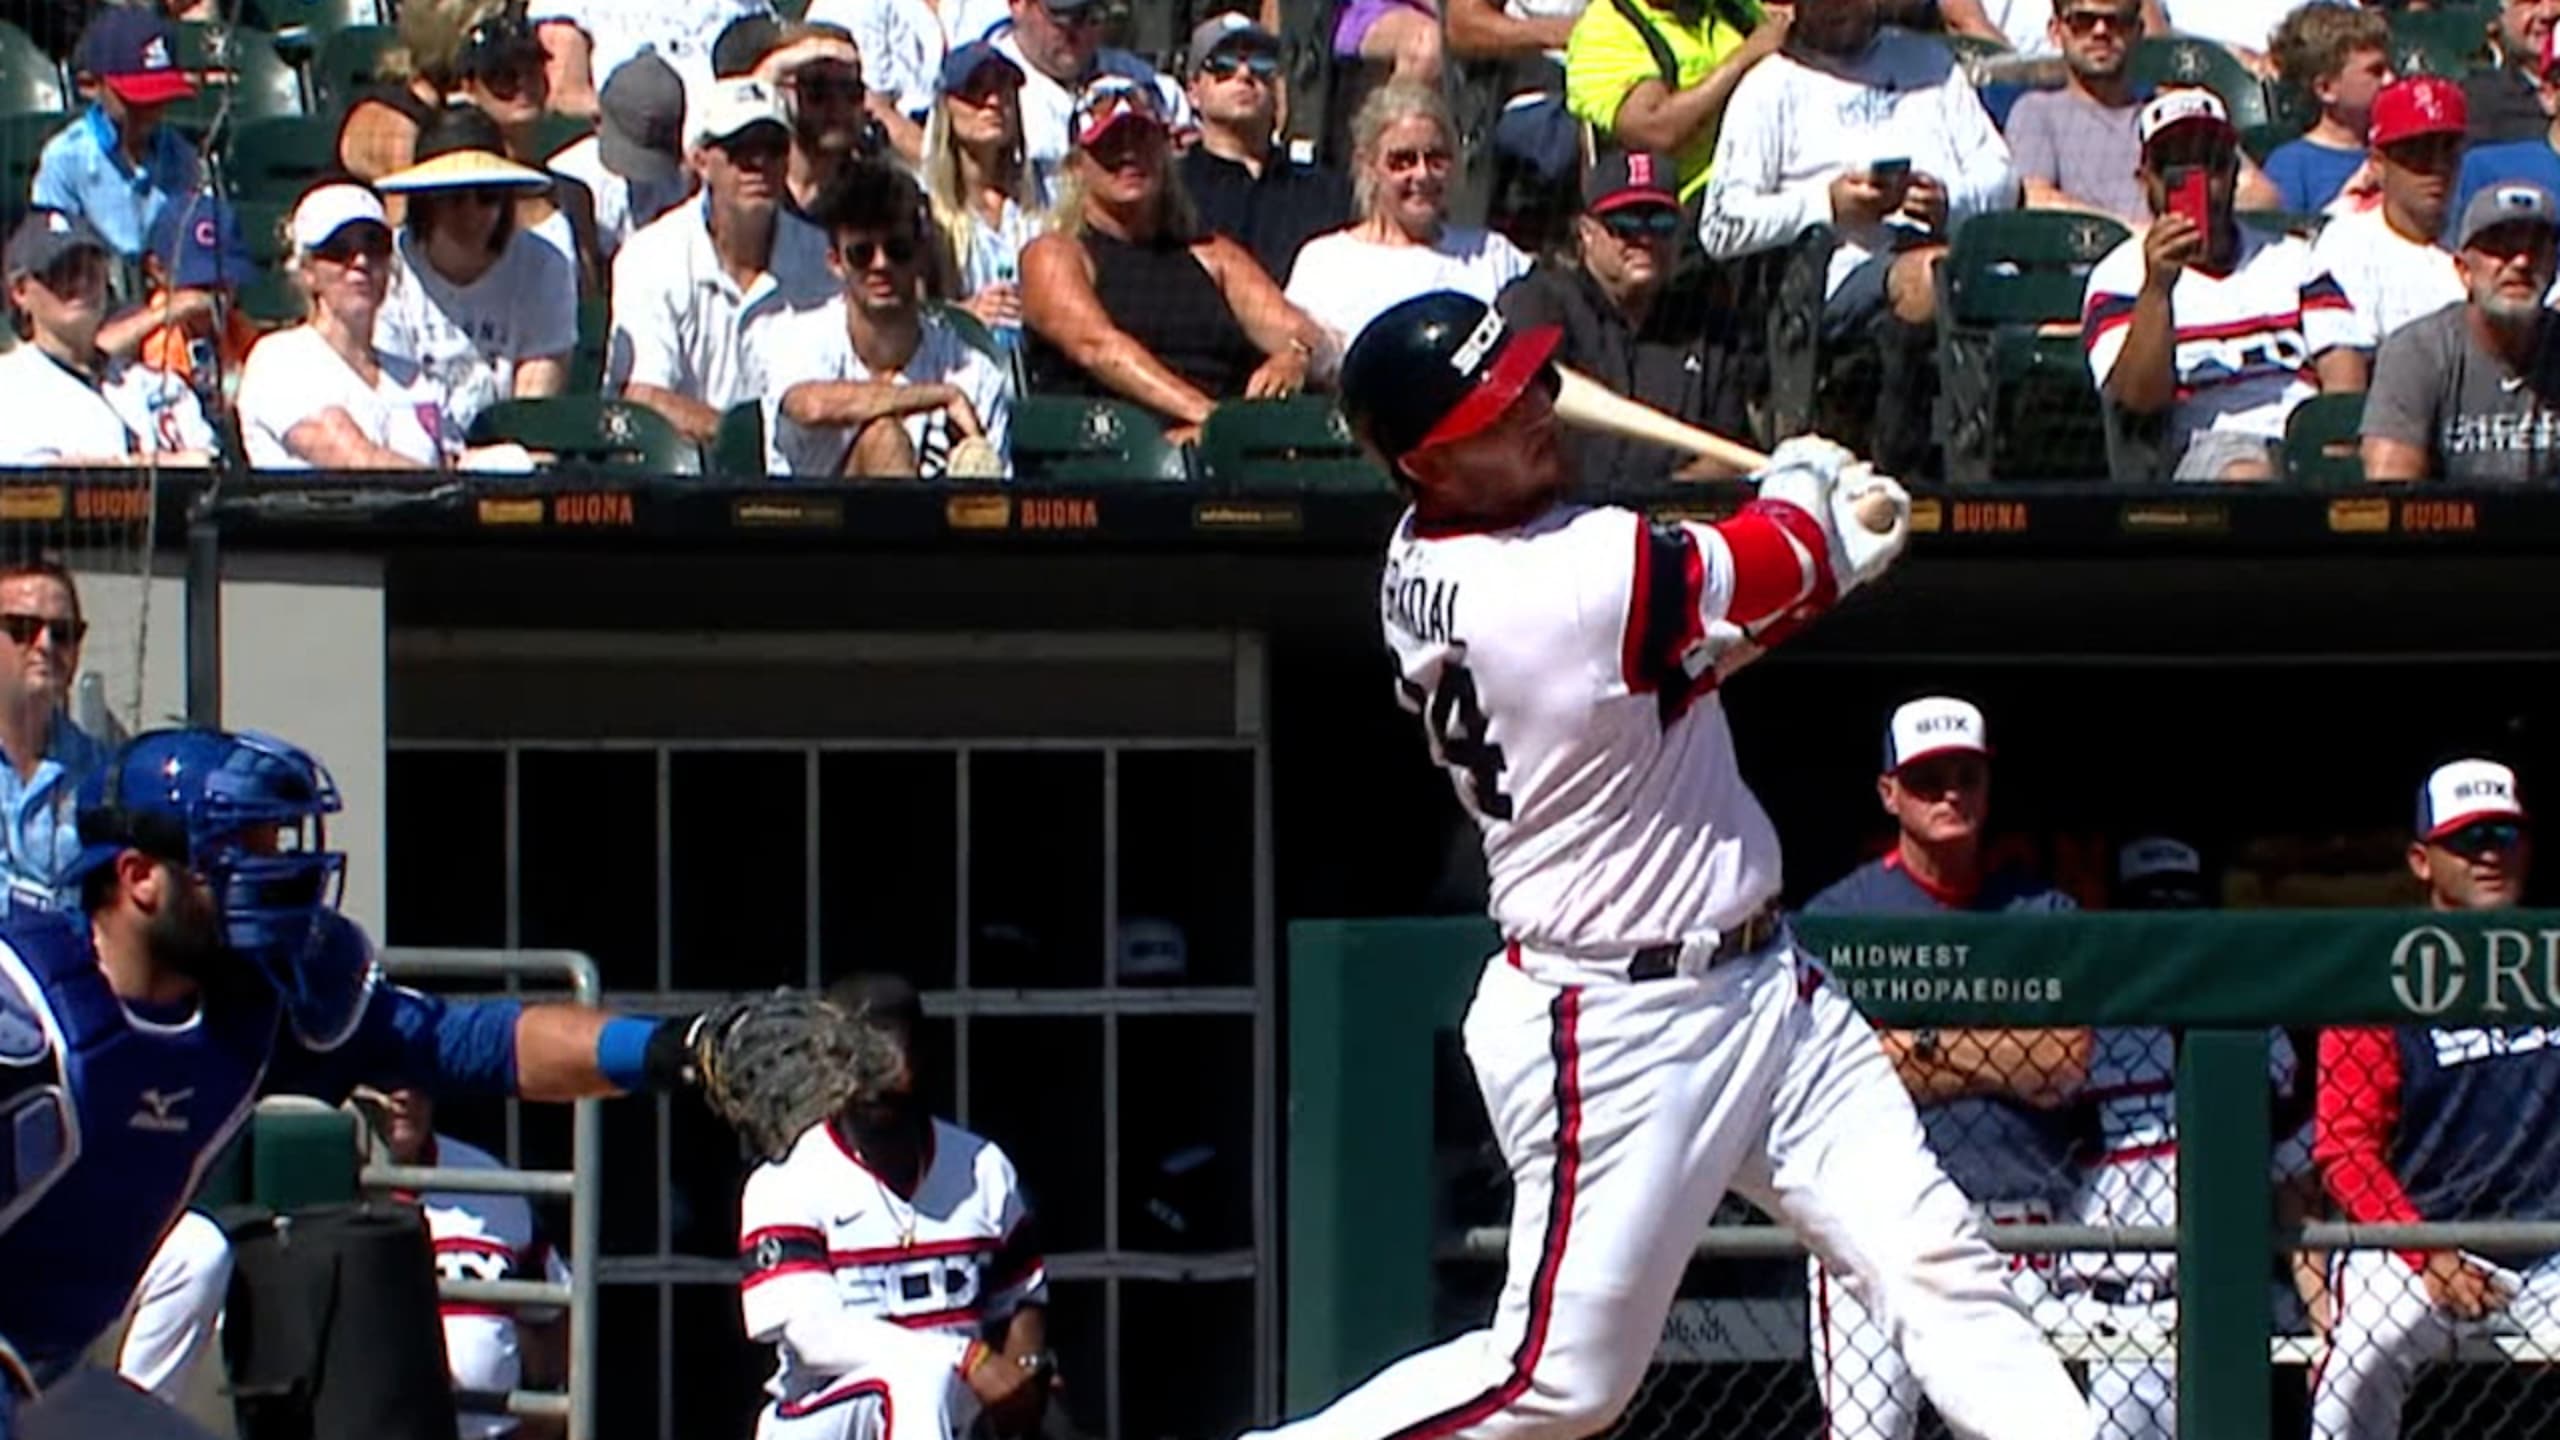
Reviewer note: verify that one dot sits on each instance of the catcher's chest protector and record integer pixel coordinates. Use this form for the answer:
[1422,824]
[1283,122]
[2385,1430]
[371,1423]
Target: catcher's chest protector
[332,1329]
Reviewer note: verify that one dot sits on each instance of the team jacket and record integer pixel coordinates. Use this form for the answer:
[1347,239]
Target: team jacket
[115,1112]
[2425,1124]
[1997,1150]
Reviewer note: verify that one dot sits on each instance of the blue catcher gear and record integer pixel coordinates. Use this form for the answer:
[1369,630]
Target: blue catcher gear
[245,812]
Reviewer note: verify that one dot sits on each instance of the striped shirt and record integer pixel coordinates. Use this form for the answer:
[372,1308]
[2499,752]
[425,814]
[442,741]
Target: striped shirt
[2242,362]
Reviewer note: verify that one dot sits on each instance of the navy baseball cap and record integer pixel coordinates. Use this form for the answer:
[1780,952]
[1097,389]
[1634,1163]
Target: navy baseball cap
[1933,725]
[134,52]
[44,237]
[197,240]
[2463,791]
[965,61]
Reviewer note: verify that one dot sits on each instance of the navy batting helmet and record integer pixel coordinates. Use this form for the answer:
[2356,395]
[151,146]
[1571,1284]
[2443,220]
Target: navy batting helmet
[1436,368]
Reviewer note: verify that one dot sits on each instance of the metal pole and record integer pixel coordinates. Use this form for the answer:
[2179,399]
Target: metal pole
[203,616]
[586,1232]
[2225,1213]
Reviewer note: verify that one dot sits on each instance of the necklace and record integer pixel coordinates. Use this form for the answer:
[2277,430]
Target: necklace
[906,1221]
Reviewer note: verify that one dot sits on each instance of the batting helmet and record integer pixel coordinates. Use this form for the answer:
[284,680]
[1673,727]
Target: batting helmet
[1436,368]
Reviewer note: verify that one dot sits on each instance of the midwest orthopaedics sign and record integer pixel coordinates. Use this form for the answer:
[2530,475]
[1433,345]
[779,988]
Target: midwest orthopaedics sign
[2500,971]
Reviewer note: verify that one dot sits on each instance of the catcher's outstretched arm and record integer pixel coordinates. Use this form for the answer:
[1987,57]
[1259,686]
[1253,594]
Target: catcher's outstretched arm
[561,1052]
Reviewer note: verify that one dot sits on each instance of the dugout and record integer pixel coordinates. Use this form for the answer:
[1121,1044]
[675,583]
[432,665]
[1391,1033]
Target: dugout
[1076,758]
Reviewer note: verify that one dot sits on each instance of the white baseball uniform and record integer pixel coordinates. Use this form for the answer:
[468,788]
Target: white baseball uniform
[484,1237]
[870,1297]
[1635,1061]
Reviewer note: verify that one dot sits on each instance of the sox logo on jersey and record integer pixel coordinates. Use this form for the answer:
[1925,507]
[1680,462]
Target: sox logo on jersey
[484,1237]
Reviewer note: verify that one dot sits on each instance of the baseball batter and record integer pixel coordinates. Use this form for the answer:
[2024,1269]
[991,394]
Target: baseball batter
[889,1259]
[1648,1036]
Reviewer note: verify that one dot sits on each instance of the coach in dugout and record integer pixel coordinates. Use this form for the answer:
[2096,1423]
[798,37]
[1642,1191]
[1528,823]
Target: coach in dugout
[2423,1123]
[1987,1098]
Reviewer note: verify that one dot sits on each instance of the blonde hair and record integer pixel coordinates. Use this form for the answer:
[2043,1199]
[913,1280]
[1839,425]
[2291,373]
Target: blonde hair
[955,211]
[431,40]
[1385,107]
[1176,218]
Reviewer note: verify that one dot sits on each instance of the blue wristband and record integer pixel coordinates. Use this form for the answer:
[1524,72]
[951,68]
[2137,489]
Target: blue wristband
[622,1052]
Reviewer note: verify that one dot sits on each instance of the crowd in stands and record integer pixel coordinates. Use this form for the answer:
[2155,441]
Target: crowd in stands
[859,234]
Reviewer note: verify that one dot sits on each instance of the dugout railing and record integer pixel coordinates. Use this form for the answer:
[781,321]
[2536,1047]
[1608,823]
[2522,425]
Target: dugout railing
[1369,1247]
[515,972]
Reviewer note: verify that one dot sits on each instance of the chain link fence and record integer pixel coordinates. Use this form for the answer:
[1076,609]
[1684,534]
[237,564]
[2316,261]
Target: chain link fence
[2384,1325]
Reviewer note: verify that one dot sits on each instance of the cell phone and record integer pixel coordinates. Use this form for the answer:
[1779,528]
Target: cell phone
[1890,172]
[2187,194]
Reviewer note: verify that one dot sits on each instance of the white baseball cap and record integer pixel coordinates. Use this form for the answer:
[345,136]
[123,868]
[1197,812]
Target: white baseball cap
[2467,790]
[329,209]
[1933,725]
[2172,108]
[731,107]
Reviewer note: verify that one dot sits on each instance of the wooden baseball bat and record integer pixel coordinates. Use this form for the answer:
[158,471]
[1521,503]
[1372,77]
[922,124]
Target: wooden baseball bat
[1586,404]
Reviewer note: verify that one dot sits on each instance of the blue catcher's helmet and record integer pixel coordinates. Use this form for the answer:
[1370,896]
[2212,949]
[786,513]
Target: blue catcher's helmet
[207,799]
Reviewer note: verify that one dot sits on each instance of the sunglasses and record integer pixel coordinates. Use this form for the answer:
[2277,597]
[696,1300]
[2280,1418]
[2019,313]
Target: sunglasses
[1643,222]
[2480,838]
[828,87]
[370,242]
[2084,22]
[1227,64]
[859,254]
[1406,157]
[1937,777]
[1080,16]
[23,629]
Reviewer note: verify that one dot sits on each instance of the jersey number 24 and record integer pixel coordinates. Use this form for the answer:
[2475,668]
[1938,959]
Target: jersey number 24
[1453,724]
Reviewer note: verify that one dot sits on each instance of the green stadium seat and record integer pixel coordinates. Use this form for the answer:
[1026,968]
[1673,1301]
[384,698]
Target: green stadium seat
[274,299]
[1298,444]
[31,82]
[22,141]
[279,157]
[2283,222]
[2013,378]
[262,223]
[2440,42]
[556,132]
[292,18]
[737,449]
[239,78]
[2322,441]
[1974,51]
[1074,440]
[346,62]
[588,432]
[2171,61]
[301,1154]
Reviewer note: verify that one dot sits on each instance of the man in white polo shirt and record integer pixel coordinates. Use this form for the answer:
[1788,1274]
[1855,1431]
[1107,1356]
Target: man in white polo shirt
[2389,262]
[695,290]
[1058,46]
[62,400]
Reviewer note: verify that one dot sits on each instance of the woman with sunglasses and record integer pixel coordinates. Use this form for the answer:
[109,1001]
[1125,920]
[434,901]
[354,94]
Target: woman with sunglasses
[1403,147]
[318,395]
[1128,298]
[978,181]
[483,310]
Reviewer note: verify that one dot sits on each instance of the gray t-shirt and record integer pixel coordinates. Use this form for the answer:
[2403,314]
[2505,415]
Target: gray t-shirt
[2064,138]
[2435,385]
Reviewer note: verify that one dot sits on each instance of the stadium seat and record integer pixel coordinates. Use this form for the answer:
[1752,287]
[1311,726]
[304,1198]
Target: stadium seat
[737,449]
[556,132]
[2013,382]
[2440,42]
[239,77]
[262,223]
[22,141]
[286,18]
[301,1154]
[279,157]
[2171,61]
[30,80]
[273,300]
[347,61]
[588,432]
[2261,140]
[1074,440]
[1299,444]
[2322,445]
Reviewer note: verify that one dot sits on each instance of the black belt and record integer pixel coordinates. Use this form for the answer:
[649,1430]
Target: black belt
[1661,962]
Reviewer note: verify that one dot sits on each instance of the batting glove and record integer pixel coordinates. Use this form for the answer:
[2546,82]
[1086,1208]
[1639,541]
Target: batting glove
[1868,552]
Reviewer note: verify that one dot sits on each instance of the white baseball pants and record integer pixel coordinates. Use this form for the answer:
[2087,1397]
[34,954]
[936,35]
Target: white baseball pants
[2385,1327]
[1625,1112]
[177,1309]
[876,1402]
[1869,1391]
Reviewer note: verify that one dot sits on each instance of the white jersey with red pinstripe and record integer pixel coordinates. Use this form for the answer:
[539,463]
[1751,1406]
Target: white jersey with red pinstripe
[827,1242]
[484,1237]
[2240,360]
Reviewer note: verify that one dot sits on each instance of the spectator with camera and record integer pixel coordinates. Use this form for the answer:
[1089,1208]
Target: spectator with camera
[1623,322]
[695,290]
[2471,393]
[2387,261]
[872,384]
[1127,297]
[1875,133]
[1404,146]
[1243,185]
[64,401]
[2199,320]
[1659,75]
[115,165]
[2436,1123]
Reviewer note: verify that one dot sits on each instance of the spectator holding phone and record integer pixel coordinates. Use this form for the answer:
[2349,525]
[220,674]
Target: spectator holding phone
[2199,320]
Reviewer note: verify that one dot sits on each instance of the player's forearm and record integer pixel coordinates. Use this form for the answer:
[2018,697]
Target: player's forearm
[831,403]
[1027,1333]
[563,1052]
[2043,1068]
[698,422]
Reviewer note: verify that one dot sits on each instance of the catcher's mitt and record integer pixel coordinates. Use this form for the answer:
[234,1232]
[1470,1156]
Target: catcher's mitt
[774,1065]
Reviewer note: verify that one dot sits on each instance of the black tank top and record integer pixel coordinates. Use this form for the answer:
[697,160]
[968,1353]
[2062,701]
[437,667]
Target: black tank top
[1167,301]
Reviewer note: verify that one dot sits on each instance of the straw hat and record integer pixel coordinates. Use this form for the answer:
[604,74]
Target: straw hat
[462,149]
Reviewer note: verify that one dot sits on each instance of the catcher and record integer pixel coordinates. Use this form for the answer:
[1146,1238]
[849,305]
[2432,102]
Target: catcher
[888,1256]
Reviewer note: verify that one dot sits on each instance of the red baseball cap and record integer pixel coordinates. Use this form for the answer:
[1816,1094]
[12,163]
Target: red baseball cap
[2418,105]
[133,53]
